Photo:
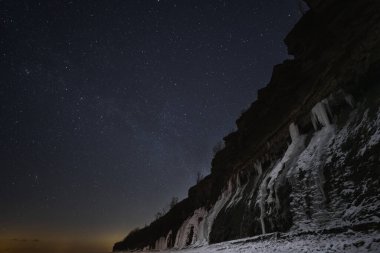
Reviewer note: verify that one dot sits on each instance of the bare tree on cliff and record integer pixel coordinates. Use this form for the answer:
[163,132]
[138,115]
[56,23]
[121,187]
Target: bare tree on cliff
[219,146]
[301,7]
[173,202]
[199,177]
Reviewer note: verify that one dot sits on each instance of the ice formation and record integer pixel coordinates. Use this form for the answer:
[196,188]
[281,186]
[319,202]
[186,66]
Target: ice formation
[223,199]
[294,132]
[308,159]
[309,162]
[350,100]
[321,114]
[258,168]
[161,244]
[239,189]
[269,186]
[261,200]
[192,230]
[196,229]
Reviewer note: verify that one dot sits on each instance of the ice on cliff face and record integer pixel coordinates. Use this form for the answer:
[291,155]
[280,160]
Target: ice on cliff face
[196,229]
[309,162]
[192,230]
[321,114]
[269,187]
[302,166]
[161,244]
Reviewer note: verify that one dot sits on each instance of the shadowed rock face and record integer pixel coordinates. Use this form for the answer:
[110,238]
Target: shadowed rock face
[322,173]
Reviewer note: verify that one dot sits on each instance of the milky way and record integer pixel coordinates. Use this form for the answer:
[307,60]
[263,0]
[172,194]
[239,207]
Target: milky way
[110,108]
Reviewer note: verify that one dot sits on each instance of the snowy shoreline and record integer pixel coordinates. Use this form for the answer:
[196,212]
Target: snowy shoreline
[346,240]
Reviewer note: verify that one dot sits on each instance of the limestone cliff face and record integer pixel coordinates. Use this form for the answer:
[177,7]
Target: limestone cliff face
[306,155]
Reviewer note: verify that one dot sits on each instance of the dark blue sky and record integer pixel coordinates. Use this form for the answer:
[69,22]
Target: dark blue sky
[110,108]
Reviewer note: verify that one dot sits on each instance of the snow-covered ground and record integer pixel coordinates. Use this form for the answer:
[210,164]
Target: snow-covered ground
[347,242]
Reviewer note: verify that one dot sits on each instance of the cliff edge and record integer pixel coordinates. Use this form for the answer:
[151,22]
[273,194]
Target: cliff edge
[306,155]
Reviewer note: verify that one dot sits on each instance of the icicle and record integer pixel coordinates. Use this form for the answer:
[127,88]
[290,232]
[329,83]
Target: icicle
[294,132]
[263,192]
[236,189]
[168,238]
[349,100]
[327,106]
[258,168]
[196,223]
[268,191]
[230,186]
[320,114]
[213,213]
[258,172]
[160,244]
[180,240]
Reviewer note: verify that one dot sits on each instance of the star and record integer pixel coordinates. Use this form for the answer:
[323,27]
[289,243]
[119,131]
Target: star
[122,102]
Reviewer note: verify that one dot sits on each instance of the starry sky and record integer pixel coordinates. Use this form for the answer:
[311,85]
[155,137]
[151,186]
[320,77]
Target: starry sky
[108,109]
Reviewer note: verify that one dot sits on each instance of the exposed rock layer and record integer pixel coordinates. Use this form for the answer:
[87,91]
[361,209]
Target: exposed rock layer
[304,156]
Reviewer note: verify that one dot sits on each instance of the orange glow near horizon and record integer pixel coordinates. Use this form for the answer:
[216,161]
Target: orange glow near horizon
[40,243]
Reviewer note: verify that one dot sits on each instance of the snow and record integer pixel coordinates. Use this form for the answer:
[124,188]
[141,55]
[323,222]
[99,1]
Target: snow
[347,242]
[329,146]
[375,137]
[310,162]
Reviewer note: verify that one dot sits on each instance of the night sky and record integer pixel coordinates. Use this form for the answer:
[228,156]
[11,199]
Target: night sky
[111,108]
